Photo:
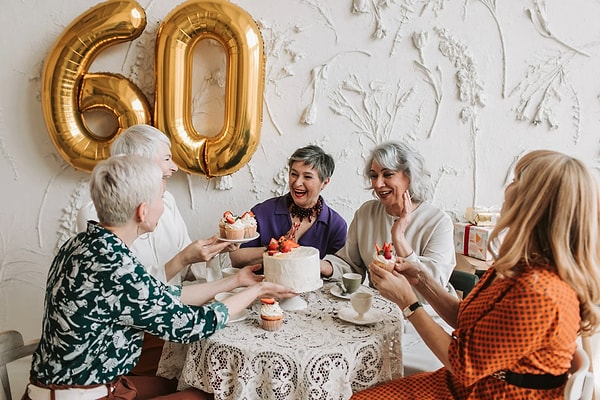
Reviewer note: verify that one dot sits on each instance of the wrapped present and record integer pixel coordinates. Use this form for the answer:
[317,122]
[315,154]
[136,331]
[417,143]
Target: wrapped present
[482,216]
[472,240]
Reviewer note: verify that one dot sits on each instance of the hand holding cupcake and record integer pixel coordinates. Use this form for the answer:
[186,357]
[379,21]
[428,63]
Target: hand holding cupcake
[384,256]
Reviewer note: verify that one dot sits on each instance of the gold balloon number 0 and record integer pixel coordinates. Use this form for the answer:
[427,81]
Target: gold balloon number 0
[69,90]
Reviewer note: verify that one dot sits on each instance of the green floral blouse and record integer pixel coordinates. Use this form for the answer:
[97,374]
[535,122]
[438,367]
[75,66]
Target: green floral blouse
[99,301]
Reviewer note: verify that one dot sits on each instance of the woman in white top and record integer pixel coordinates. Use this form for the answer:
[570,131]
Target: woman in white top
[168,251]
[419,231]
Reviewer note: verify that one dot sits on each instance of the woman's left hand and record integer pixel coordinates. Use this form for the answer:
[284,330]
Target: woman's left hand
[247,277]
[392,285]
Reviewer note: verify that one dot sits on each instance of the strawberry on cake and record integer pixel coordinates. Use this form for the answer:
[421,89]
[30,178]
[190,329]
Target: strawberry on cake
[289,264]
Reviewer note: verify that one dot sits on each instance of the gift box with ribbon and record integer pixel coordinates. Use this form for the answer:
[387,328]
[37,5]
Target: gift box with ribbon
[472,240]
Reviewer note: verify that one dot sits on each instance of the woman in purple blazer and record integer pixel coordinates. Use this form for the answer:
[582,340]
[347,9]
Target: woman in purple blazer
[301,214]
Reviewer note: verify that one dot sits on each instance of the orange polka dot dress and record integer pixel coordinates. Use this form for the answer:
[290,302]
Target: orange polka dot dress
[526,324]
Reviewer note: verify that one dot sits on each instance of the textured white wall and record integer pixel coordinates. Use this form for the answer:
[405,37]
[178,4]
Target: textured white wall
[502,80]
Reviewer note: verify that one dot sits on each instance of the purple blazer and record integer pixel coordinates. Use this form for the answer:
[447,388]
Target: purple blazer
[328,233]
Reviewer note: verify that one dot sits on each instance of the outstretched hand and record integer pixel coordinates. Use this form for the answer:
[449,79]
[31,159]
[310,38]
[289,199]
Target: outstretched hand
[247,277]
[204,249]
[270,289]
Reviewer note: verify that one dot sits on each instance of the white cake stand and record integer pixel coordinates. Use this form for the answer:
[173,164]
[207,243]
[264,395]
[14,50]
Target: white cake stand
[297,302]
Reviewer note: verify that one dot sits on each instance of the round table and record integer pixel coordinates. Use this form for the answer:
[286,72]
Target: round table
[315,355]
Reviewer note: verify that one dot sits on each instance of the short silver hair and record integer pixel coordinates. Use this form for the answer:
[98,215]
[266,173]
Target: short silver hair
[143,140]
[398,156]
[119,184]
[316,158]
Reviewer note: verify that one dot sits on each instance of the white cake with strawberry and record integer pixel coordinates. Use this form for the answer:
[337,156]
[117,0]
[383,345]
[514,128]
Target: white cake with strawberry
[384,256]
[289,264]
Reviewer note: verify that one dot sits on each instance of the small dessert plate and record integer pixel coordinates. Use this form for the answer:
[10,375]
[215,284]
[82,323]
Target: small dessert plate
[244,240]
[338,292]
[349,315]
[239,317]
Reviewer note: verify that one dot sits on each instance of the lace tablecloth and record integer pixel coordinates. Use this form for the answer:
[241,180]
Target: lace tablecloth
[315,355]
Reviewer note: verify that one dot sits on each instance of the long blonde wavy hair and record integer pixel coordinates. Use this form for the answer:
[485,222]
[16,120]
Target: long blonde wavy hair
[552,211]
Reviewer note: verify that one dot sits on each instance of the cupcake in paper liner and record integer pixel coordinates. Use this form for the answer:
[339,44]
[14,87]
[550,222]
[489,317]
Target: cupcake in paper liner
[234,231]
[384,256]
[250,226]
[271,315]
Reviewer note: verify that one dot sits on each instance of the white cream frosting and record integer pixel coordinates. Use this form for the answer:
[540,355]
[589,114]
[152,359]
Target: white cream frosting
[248,220]
[298,269]
[236,225]
[271,310]
[382,259]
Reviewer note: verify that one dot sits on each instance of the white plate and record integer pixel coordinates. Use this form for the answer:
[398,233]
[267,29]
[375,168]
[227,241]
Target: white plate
[244,240]
[349,315]
[239,317]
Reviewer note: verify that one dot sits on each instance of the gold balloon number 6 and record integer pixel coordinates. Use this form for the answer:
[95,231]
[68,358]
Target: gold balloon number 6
[69,90]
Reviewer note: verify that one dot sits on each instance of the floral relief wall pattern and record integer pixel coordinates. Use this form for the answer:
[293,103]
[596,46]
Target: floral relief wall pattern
[472,84]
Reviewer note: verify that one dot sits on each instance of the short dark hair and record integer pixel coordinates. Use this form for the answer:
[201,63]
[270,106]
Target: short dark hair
[314,157]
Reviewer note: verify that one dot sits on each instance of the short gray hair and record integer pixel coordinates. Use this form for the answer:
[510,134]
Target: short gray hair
[314,157]
[143,140]
[119,184]
[398,156]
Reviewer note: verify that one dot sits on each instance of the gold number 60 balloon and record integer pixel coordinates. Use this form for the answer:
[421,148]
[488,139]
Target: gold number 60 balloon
[68,90]
[238,33]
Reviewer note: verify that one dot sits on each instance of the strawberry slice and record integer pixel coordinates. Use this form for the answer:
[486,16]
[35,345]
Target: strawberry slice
[273,244]
[248,213]
[268,300]
[230,219]
[377,248]
[272,252]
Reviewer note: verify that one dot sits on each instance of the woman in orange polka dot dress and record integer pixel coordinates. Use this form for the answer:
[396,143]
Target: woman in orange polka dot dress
[515,333]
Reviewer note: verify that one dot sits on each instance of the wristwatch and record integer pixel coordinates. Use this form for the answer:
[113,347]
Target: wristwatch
[410,310]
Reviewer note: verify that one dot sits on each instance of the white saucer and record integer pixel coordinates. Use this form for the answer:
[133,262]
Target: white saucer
[244,240]
[337,292]
[349,315]
[239,317]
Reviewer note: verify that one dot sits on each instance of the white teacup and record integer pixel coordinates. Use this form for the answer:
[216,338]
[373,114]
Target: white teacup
[229,271]
[361,303]
[351,282]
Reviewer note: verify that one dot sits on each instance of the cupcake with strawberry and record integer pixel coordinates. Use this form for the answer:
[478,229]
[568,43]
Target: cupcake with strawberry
[249,222]
[384,256]
[228,219]
[271,314]
[235,230]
